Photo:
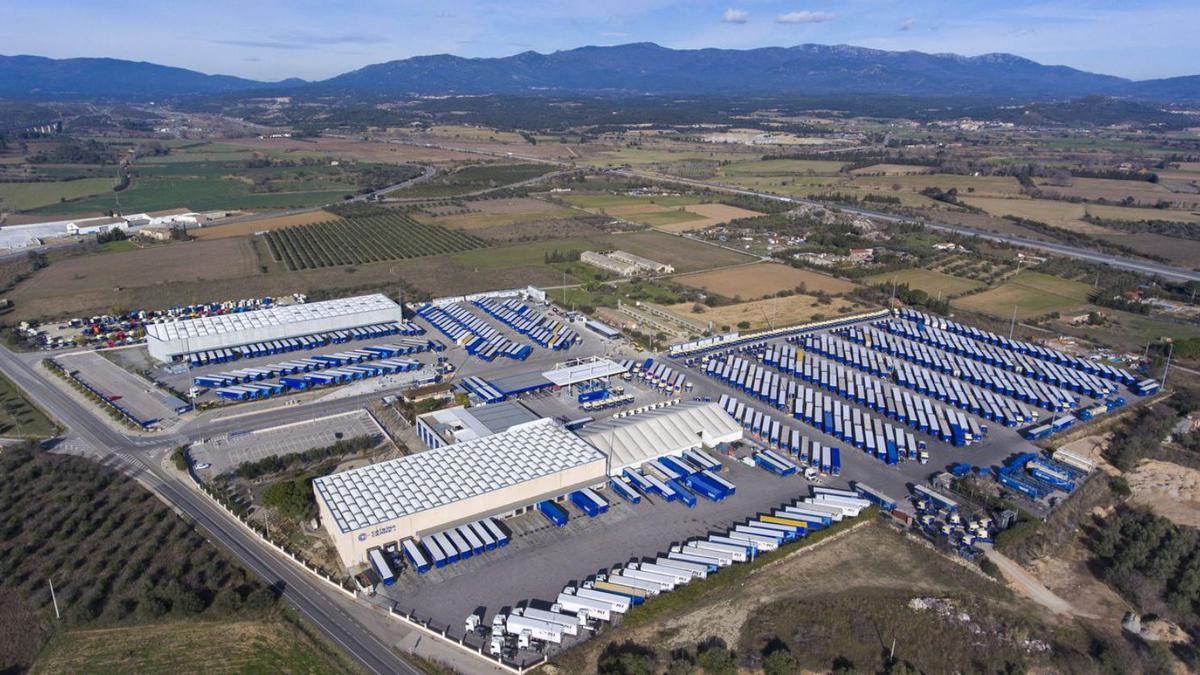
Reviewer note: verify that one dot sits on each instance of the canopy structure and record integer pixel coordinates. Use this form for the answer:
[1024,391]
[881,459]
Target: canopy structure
[669,430]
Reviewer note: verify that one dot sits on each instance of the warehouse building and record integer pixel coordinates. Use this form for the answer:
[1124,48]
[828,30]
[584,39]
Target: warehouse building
[624,264]
[499,474]
[459,424]
[658,432]
[172,339]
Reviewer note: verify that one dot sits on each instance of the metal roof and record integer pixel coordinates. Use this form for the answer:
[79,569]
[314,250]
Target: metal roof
[274,316]
[377,493]
[583,372]
[638,438]
[460,424]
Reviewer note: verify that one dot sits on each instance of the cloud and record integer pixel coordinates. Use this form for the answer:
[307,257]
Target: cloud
[805,16]
[732,15]
[298,40]
[908,24]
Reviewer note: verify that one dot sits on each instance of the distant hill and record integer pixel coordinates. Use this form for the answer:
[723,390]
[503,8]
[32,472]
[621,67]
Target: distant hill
[810,69]
[640,68]
[36,77]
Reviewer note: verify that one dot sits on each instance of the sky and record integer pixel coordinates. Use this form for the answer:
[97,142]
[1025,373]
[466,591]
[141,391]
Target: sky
[275,39]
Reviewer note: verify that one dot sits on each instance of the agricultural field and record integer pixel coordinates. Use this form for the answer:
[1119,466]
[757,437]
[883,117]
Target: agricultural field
[771,313]
[488,213]
[1069,216]
[19,418]
[366,239]
[623,204]
[892,170]
[49,194]
[1176,250]
[240,646]
[763,279]
[143,564]
[646,157]
[1032,294]
[936,284]
[358,150]
[247,227]
[1116,190]
[685,255]
[85,284]
[780,167]
[472,179]
[983,186]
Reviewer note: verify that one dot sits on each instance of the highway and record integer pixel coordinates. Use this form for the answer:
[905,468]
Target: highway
[342,620]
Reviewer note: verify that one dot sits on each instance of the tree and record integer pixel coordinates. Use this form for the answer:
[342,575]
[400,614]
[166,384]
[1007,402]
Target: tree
[716,659]
[780,662]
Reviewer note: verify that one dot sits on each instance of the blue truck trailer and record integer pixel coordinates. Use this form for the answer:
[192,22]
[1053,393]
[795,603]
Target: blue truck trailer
[553,512]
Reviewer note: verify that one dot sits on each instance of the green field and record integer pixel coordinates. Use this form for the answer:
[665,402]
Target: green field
[18,417]
[1032,293]
[934,283]
[28,196]
[201,193]
[665,218]
[365,239]
[780,167]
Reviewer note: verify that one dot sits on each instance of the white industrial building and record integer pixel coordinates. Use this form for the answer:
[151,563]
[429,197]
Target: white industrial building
[458,424]
[498,474]
[171,339]
[658,432]
[606,263]
[88,226]
[643,263]
[165,218]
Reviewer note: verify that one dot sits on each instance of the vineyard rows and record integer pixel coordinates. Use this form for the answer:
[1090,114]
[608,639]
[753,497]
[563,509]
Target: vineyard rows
[352,241]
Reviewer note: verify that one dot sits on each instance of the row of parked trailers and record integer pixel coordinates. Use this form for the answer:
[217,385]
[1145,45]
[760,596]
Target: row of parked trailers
[286,345]
[874,394]
[847,422]
[823,458]
[481,339]
[401,347]
[320,378]
[1036,476]
[439,549]
[1103,370]
[658,375]
[1004,355]
[616,590]
[515,314]
[482,389]
[925,369]
[675,479]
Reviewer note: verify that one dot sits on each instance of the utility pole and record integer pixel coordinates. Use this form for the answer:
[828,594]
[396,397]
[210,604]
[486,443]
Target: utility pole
[54,599]
[1167,366]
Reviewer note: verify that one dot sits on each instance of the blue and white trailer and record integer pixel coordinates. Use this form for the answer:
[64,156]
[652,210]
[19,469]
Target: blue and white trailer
[750,547]
[620,603]
[381,566]
[682,493]
[476,544]
[679,576]
[738,553]
[713,560]
[725,485]
[415,557]
[624,489]
[465,550]
[553,512]
[435,551]
[695,570]
[813,513]
[447,546]
[789,532]
[496,531]
[936,498]
[1146,387]
[480,531]
[874,496]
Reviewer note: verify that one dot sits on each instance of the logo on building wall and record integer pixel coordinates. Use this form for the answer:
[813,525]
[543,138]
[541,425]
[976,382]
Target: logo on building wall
[377,532]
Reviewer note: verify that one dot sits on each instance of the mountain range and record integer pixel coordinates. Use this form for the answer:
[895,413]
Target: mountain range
[640,68]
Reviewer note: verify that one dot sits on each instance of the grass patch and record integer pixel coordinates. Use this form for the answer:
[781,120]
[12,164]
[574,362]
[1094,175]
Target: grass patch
[277,646]
[28,196]
[607,200]
[19,418]
[475,179]
[933,283]
[1032,293]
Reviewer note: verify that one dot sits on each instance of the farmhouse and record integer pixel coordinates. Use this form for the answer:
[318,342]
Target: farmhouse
[624,264]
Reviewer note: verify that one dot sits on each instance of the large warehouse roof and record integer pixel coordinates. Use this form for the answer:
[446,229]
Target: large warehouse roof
[632,440]
[274,316]
[460,424]
[374,494]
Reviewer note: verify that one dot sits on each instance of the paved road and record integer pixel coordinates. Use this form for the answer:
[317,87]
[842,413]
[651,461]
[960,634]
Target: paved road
[341,619]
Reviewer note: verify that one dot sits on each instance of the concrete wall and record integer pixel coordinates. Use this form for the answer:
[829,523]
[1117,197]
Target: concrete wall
[352,546]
